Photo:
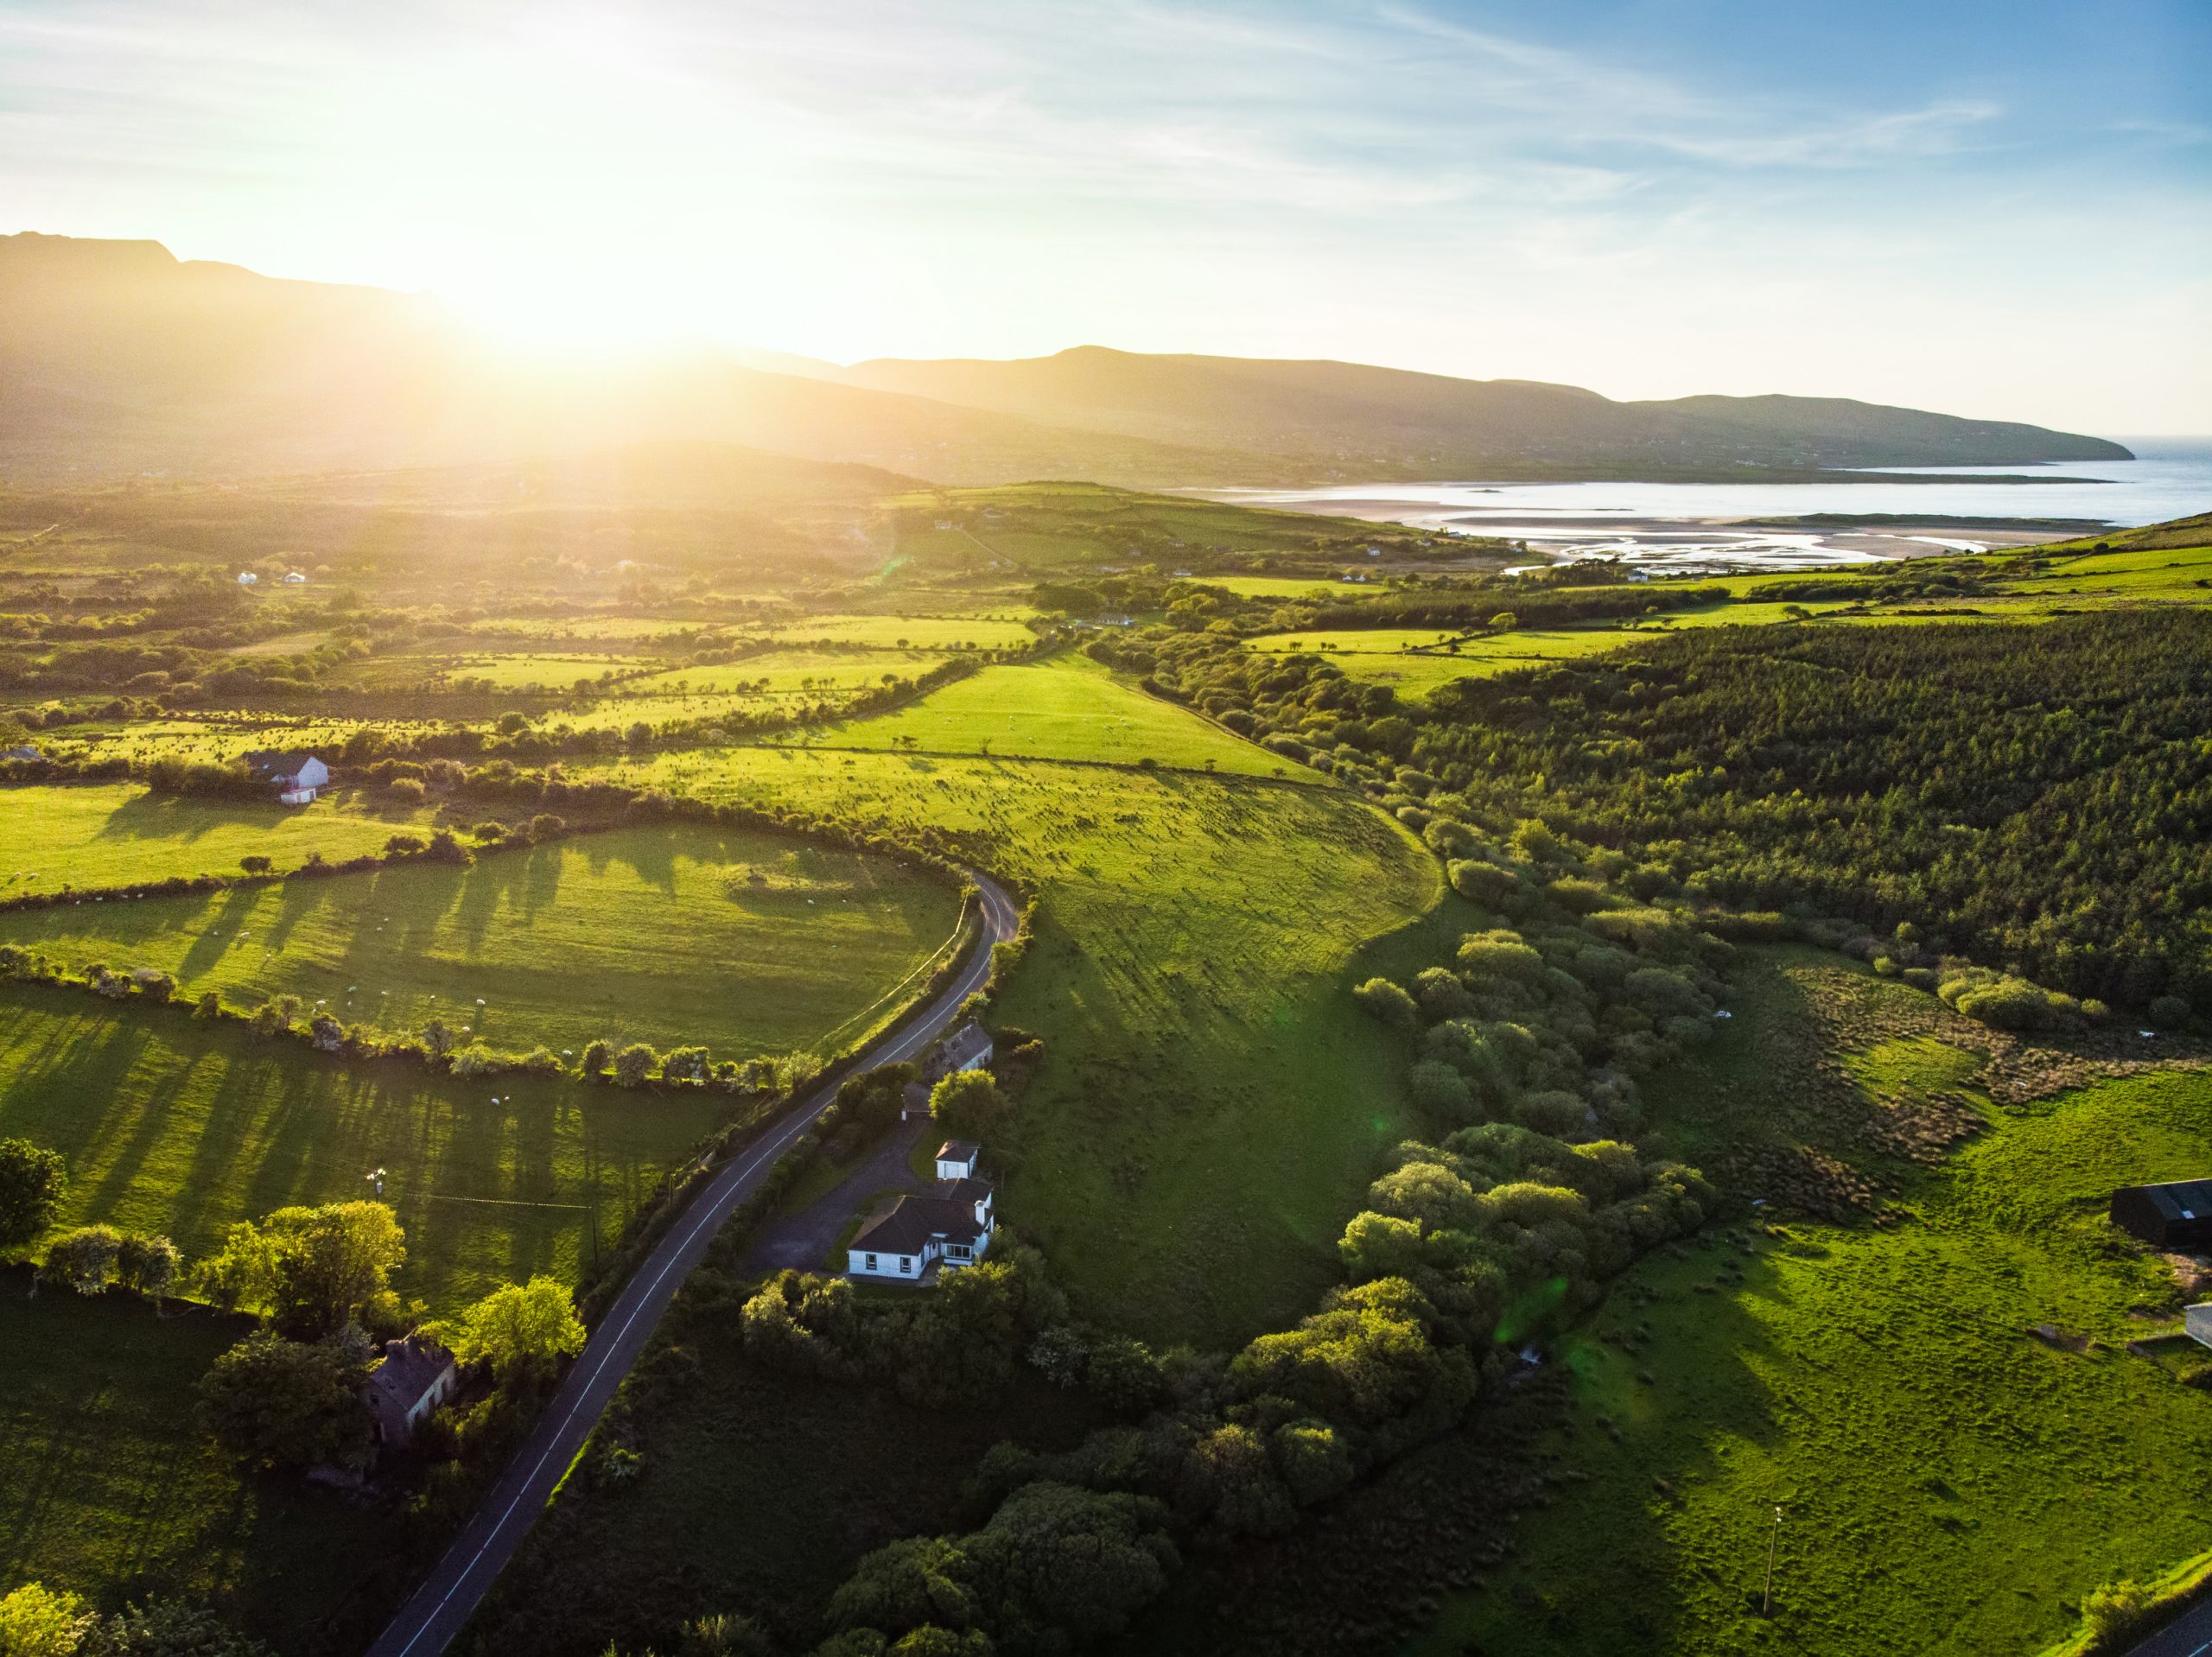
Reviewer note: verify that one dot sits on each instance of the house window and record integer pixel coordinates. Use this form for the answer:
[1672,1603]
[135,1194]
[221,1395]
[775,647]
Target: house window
[906,1263]
[871,1262]
[957,1251]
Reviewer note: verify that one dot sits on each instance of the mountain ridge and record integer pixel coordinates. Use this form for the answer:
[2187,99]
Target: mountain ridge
[117,358]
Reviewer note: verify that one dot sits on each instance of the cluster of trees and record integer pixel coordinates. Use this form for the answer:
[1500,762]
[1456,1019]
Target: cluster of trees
[33,1182]
[2036,806]
[1529,1045]
[961,1344]
[289,1394]
[36,1621]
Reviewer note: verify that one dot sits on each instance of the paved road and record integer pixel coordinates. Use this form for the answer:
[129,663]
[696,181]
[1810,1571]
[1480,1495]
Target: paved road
[2190,1637]
[428,1622]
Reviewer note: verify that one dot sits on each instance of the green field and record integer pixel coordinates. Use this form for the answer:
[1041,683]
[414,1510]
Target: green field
[100,834]
[749,943]
[1950,1484]
[174,1125]
[109,1488]
[1211,1103]
[899,633]
[1283,587]
[1068,708]
[794,672]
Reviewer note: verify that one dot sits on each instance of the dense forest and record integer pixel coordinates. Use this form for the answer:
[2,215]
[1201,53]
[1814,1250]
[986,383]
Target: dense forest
[2037,798]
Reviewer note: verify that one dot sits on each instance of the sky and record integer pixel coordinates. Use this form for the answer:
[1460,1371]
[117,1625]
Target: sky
[1996,210]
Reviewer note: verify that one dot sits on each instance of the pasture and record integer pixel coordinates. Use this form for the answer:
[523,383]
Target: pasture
[93,835]
[1068,708]
[1992,1479]
[180,1127]
[792,672]
[749,943]
[1212,1103]
[948,633]
[109,1488]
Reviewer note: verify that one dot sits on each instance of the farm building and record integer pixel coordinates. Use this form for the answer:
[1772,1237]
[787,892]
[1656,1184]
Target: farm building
[2197,1321]
[2174,1216]
[949,1225]
[295,579]
[417,1375]
[247,578]
[968,1048]
[297,778]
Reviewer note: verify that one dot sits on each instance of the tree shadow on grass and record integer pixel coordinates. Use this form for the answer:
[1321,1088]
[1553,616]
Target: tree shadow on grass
[162,816]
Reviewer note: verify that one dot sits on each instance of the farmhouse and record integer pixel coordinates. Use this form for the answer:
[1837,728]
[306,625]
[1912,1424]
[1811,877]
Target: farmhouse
[417,1375]
[2174,1216]
[949,1225]
[297,776]
[295,579]
[968,1048]
[247,578]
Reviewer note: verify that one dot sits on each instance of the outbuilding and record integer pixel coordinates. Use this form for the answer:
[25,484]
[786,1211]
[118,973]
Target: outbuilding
[2198,1323]
[2176,1216]
[968,1048]
[417,1375]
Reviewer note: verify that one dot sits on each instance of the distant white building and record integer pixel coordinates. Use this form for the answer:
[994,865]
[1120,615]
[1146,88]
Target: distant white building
[297,778]
[247,578]
[296,579]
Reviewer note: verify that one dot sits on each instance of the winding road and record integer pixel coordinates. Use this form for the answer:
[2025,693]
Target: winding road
[450,1594]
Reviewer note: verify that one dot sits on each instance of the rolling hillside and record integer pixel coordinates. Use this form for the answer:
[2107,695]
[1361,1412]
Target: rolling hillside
[1343,412]
[117,359]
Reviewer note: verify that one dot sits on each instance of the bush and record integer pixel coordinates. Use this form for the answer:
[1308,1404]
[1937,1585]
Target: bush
[634,1065]
[1388,1002]
[2169,1012]
[32,1183]
[968,1103]
[272,1402]
[84,1259]
[1442,1092]
[406,791]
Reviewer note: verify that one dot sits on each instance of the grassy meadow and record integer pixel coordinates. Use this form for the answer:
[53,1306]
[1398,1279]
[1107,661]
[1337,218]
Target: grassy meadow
[1949,1483]
[102,835]
[1212,1103]
[176,1126]
[1066,707]
[749,943]
[108,1486]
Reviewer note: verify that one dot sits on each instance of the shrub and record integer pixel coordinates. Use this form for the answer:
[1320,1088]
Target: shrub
[633,1065]
[84,1259]
[968,1102]
[33,1180]
[406,791]
[1441,1091]
[599,1054]
[150,1264]
[1388,1002]
[36,1621]
[1482,883]
[1551,1111]
[2169,1012]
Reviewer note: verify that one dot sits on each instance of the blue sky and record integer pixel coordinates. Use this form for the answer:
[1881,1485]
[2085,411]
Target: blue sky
[1996,210]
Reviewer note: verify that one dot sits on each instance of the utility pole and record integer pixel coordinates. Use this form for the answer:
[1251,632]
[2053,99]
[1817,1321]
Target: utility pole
[1766,1607]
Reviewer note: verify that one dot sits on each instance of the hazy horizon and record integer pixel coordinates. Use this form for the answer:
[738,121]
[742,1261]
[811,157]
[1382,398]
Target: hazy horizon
[1996,213]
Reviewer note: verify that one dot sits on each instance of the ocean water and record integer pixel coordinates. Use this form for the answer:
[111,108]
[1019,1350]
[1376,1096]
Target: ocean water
[1684,525]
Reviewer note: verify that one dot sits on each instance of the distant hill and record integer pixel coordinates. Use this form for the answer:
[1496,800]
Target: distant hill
[117,359]
[1348,415]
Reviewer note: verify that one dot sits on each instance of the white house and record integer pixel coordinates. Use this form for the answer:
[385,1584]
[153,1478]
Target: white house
[949,1225]
[297,776]
[417,1375]
[247,578]
[296,579]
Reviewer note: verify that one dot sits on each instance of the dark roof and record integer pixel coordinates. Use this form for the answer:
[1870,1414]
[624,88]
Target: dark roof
[958,1151]
[2181,1199]
[282,762]
[915,1221]
[410,1369]
[971,1041]
[971,1191]
[915,1096]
